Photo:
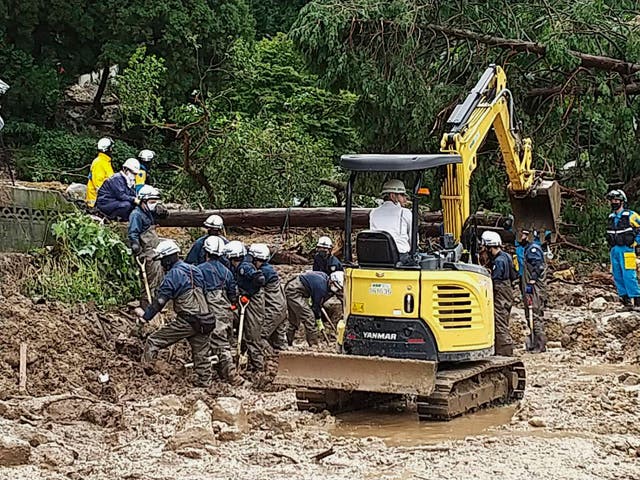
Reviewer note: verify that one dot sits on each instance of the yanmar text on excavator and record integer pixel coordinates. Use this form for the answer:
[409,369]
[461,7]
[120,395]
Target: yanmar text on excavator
[424,326]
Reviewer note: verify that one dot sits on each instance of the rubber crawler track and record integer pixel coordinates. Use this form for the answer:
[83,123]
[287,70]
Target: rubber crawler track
[459,390]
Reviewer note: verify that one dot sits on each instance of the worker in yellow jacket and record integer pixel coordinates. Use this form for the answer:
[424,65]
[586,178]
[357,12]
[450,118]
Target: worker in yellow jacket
[101,169]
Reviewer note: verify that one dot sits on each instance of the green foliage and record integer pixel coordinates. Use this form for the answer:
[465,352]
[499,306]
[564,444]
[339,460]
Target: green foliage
[58,155]
[88,263]
[273,136]
[138,89]
[273,16]
[408,76]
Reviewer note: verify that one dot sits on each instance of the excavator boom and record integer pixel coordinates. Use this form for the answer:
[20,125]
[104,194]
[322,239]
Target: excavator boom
[489,106]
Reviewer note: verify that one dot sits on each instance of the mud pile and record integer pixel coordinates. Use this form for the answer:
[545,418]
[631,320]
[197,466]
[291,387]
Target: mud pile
[70,346]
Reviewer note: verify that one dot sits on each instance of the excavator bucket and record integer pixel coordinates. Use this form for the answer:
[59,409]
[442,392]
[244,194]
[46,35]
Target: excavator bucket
[356,373]
[539,210]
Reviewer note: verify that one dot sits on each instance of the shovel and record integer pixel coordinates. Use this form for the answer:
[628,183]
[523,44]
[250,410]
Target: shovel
[529,341]
[243,304]
[142,263]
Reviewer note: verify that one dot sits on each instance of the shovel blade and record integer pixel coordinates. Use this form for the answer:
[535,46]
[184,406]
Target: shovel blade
[356,373]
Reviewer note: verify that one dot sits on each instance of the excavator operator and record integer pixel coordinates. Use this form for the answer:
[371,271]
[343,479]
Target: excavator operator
[393,217]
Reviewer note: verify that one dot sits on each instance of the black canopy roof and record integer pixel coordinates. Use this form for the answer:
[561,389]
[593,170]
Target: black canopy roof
[374,162]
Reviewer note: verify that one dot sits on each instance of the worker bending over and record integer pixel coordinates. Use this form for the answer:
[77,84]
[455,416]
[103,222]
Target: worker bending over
[392,217]
[142,178]
[221,292]
[117,195]
[214,226]
[324,260]
[623,234]
[274,329]
[143,239]
[534,290]
[100,170]
[250,282]
[317,286]
[184,284]
[502,274]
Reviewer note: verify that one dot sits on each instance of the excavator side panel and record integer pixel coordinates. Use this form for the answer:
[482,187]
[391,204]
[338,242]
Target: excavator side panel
[539,210]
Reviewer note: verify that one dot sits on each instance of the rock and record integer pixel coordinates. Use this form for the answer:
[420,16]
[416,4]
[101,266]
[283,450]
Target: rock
[195,430]
[103,414]
[230,411]
[537,422]
[598,304]
[190,453]
[270,421]
[631,380]
[168,405]
[13,451]
[54,455]
[229,433]
[76,191]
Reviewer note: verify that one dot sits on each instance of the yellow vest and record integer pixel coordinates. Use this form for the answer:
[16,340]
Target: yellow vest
[101,169]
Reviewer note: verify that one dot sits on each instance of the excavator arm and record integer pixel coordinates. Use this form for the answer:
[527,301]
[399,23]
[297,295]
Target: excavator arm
[535,202]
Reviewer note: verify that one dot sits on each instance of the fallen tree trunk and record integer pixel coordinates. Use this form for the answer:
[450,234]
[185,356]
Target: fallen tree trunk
[297,217]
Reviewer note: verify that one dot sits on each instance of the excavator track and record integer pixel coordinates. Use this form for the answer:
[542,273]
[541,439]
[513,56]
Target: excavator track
[338,401]
[459,389]
[496,380]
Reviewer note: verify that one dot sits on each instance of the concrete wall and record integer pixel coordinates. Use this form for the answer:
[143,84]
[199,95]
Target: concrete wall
[26,216]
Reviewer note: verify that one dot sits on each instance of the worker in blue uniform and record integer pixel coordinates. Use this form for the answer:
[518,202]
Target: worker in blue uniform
[534,289]
[215,226]
[623,237]
[324,260]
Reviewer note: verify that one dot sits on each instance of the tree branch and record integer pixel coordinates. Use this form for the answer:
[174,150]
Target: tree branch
[586,60]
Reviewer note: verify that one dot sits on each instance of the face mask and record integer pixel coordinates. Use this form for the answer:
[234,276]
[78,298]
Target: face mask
[334,288]
[131,178]
[615,206]
[323,253]
[152,206]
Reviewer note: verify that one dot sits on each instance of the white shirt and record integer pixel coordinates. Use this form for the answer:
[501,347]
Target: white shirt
[392,218]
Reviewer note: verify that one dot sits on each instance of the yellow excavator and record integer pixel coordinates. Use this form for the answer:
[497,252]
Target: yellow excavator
[424,326]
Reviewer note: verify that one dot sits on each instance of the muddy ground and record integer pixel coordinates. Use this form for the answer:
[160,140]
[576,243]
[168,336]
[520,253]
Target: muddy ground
[578,420]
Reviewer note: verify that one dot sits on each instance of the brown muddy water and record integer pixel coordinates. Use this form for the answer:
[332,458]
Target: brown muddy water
[402,428]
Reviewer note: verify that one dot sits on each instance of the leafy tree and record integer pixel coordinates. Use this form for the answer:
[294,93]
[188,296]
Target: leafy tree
[274,16]
[411,61]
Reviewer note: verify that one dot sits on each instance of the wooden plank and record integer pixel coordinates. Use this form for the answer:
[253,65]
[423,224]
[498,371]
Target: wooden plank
[23,367]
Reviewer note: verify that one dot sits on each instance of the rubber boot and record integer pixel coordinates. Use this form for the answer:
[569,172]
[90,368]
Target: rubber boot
[636,303]
[540,344]
[626,302]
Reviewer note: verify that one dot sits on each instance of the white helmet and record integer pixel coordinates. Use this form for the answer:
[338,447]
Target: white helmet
[147,192]
[146,155]
[165,248]
[337,278]
[132,164]
[214,245]
[491,239]
[617,195]
[214,221]
[324,242]
[105,144]
[234,249]
[259,251]
[393,186]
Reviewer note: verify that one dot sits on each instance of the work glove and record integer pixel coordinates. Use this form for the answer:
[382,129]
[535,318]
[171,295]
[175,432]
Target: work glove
[319,324]
[136,201]
[529,289]
[136,249]
[244,299]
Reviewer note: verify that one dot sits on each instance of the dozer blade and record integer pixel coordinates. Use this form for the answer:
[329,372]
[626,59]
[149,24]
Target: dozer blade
[539,210]
[356,373]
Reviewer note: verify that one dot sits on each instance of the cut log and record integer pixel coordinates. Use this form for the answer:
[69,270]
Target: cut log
[269,217]
[297,217]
